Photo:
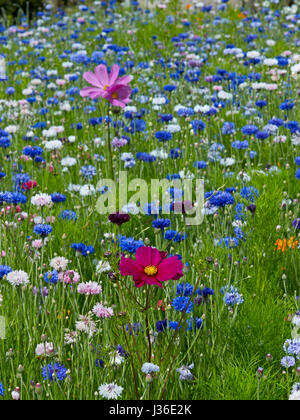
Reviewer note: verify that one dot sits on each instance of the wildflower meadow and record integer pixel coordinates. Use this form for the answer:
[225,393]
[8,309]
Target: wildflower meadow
[149,201]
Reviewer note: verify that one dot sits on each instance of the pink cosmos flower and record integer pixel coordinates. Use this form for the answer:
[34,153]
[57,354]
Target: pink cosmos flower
[111,87]
[151,267]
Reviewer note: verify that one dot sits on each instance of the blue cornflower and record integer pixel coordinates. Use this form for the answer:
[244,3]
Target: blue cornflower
[228,128]
[145,157]
[240,145]
[12,197]
[220,198]
[170,88]
[185,289]
[249,193]
[88,171]
[42,230]
[161,326]
[173,325]
[82,249]
[229,242]
[262,135]
[4,270]
[261,103]
[32,151]
[68,215]
[134,328]
[292,347]
[4,142]
[172,235]
[239,212]
[288,361]
[51,276]
[54,371]
[297,174]
[200,164]
[231,296]
[2,390]
[249,130]
[58,198]
[297,161]
[197,125]
[206,291]
[161,223]
[182,304]
[130,244]
[286,105]
[163,136]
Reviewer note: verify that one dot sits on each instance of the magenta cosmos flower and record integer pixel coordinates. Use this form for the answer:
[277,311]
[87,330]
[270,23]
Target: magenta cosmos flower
[111,87]
[151,267]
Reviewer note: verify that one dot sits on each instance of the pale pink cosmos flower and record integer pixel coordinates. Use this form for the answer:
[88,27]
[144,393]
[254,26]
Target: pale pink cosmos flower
[111,87]
[90,288]
[102,312]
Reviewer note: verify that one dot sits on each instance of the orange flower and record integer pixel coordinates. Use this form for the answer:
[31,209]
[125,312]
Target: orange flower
[283,245]
[241,16]
[188,6]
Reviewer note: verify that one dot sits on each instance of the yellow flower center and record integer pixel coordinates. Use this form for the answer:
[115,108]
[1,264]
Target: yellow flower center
[150,270]
[105,87]
[115,95]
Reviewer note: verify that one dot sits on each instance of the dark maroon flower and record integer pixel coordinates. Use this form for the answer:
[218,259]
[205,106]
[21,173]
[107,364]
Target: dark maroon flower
[119,218]
[252,208]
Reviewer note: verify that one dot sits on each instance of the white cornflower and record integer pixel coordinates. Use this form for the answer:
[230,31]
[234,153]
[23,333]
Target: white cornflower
[59,263]
[110,391]
[116,359]
[295,394]
[70,337]
[68,161]
[17,278]
[86,325]
[130,208]
[185,373]
[149,368]
[227,162]
[53,145]
[87,190]
[103,267]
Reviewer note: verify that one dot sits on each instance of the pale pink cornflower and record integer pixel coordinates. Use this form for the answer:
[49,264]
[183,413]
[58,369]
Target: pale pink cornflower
[279,139]
[217,88]
[41,200]
[60,82]
[102,311]
[44,349]
[38,243]
[69,277]
[90,288]
[117,143]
